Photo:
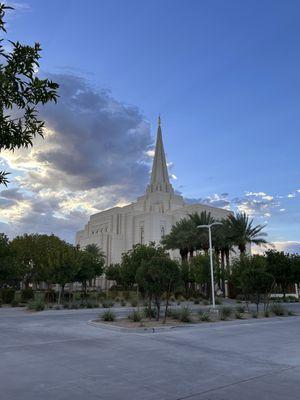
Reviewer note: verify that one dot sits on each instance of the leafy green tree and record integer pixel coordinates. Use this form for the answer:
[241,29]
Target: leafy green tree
[187,277]
[21,92]
[200,267]
[36,256]
[295,260]
[9,273]
[254,280]
[66,268]
[91,265]
[281,267]
[132,260]
[157,276]
[113,273]
[241,232]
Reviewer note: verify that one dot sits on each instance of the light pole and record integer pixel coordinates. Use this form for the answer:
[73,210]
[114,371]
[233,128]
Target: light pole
[211,260]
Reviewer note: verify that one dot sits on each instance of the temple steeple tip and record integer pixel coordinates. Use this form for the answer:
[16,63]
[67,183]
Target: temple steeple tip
[159,176]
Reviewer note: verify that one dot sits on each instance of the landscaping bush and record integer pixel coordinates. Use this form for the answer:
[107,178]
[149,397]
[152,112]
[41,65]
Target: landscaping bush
[107,304]
[36,305]
[7,295]
[108,316]
[238,314]
[240,309]
[123,303]
[135,316]
[134,303]
[147,312]
[205,302]
[173,313]
[218,301]
[204,316]
[291,313]
[225,313]
[277,309]
[254,315]
[185,314]
[27,294]
[196,301]
[266,314]
[15,303]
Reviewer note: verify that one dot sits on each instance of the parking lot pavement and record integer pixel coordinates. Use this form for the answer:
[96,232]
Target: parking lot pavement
[56,355]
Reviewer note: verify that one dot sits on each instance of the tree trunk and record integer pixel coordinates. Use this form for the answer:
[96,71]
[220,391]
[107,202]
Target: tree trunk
[167,303]
[61,293]
[158,309]
[223,271]
[149,308]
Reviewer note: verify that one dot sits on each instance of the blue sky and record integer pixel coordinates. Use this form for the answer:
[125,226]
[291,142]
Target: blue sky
[224,75]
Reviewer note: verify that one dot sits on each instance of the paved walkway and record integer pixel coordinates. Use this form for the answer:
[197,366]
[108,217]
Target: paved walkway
[56,355]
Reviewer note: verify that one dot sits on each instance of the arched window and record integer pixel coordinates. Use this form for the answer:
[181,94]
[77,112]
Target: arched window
[162,231]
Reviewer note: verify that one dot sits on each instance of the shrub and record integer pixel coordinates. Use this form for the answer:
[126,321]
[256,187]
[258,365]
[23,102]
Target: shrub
[204,317]
[133,302]
[238,315]
[15,303]
[108,316]
[218,301]
[135,316]
[90,305]
[27,294]
[291,313]
[147,312]
[225,313]
[266,314]
[0,303]
[240,309]
[254,315]
[185,314]
[123,303]
[175,314]
[205,302]
[277,309]
[36,305]
[7,295]
[196,301]
[107,304]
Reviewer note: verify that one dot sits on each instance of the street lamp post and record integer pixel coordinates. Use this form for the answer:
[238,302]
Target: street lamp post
[211,260]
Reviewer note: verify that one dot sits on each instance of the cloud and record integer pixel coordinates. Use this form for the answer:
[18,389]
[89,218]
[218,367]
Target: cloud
[291,247]
[94,156]
[215,200]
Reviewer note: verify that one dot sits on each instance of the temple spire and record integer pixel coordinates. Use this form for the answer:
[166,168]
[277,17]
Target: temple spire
[159,176]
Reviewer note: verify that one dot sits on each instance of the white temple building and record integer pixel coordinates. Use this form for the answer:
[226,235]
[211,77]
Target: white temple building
[147,219]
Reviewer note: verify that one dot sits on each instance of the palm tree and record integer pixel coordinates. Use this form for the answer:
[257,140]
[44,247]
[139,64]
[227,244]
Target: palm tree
[181,237]
[94,251]
[241,231]
[201,241]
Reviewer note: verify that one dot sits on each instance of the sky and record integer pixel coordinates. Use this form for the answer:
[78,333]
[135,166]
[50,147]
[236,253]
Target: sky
[224,75]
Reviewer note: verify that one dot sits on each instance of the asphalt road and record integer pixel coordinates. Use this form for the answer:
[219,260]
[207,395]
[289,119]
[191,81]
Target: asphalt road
[56,355]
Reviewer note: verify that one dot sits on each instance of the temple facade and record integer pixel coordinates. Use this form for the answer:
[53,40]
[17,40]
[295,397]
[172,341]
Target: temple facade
[147,219]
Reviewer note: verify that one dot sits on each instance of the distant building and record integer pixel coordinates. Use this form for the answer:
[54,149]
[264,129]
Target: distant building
[146,220]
